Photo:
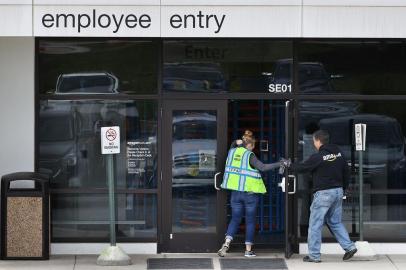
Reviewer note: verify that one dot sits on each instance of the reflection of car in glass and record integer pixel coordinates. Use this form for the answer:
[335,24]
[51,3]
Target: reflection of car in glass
[57,146]
[69,138]
[193,77]
[384,140]
[194,149]
[87,83]
[313,77]
[313,112]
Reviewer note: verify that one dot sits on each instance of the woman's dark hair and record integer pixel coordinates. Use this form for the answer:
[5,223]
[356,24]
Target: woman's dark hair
[322,136]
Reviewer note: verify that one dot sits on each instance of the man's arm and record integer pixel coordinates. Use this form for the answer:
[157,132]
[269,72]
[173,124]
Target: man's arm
[256,163]
[308,165]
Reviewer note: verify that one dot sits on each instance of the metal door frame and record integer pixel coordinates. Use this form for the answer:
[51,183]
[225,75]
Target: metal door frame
[170,242]
[291,133]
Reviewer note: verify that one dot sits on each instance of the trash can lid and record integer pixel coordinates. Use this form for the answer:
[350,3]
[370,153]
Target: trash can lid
[25,176]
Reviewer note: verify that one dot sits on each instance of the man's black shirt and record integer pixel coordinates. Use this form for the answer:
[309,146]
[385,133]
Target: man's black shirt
[328,167]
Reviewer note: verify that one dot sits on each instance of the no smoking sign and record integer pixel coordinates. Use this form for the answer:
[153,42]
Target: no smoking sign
[110,140]
[111,134]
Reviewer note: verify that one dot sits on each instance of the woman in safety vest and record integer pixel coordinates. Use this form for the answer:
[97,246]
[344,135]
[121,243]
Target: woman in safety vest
[242,176]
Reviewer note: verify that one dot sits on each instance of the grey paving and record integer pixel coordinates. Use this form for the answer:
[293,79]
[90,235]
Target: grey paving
[179,263]
[253,263]
[56,263]
[88,262]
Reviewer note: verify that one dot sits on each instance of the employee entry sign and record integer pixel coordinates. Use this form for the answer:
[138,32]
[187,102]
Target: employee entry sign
[110,140]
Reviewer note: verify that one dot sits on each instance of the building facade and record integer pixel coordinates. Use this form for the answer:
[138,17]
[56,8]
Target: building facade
[184,78]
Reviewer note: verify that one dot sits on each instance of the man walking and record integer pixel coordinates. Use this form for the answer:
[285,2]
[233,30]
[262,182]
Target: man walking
[330,177]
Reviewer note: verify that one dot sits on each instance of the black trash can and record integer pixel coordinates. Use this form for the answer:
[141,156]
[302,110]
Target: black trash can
[25,216]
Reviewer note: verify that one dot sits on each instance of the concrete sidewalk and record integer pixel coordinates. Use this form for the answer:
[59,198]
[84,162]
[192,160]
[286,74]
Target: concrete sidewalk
[88,262]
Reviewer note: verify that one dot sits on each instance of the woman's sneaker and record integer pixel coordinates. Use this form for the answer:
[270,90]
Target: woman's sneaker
[223,250]
[250,254]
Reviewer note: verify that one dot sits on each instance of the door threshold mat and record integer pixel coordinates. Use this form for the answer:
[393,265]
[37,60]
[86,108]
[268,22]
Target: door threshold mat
[253,263]
[180,263]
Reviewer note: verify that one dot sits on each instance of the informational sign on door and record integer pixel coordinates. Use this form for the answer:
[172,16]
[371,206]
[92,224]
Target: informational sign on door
[110,140]
[360,136]
[138,154]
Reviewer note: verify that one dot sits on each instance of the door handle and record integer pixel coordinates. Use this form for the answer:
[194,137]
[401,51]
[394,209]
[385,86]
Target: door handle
[294,183]
[215,181]
[282,184]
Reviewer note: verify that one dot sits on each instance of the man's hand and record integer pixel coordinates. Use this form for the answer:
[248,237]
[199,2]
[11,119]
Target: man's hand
[286,162]
[238,142]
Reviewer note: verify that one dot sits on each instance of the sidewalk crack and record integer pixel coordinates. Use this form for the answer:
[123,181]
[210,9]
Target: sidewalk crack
[74,263]
[392,262]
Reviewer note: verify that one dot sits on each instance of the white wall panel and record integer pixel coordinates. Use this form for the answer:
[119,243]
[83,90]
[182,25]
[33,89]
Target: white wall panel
[15,20]
[238,21]
[256,18]
[370,3]
[232,2]
[15,2]
[368,22]
[17,104]
[97,2]
[115,28]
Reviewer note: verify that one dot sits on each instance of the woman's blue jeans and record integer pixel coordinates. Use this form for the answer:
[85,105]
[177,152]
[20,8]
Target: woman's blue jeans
[243,202]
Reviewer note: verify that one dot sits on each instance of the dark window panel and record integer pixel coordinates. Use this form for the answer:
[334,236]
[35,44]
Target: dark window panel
[352,67]
[226,65]
[87,217]
[96,66]
[69,143]
[384,162]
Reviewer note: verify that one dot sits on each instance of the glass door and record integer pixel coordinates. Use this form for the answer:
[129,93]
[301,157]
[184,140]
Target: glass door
[194,148]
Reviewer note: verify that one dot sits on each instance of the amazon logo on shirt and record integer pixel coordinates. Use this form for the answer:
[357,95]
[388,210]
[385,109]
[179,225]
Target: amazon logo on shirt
[331,157]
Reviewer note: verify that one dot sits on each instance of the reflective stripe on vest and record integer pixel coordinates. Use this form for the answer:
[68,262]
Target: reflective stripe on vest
[228,163]
[243,177]
[239,175]
[245,172]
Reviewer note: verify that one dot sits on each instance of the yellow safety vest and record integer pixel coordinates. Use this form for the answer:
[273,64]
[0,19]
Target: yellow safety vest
[239,175]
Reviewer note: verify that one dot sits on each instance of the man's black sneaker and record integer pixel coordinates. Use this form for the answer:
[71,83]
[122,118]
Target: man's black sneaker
[249,254]
[308,259]
[349,254]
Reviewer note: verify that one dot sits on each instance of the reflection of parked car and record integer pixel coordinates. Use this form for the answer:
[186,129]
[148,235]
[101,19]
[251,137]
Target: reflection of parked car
[70,139]
[194,148]
[87,83]
[313,112]
[57,147]
[384,140]
[193,77]
[313,77]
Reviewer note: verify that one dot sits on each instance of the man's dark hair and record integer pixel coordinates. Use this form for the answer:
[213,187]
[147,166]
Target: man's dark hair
[322,136]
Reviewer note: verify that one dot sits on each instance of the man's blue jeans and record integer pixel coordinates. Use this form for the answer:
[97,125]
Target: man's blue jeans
[240,202]
[327,207]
